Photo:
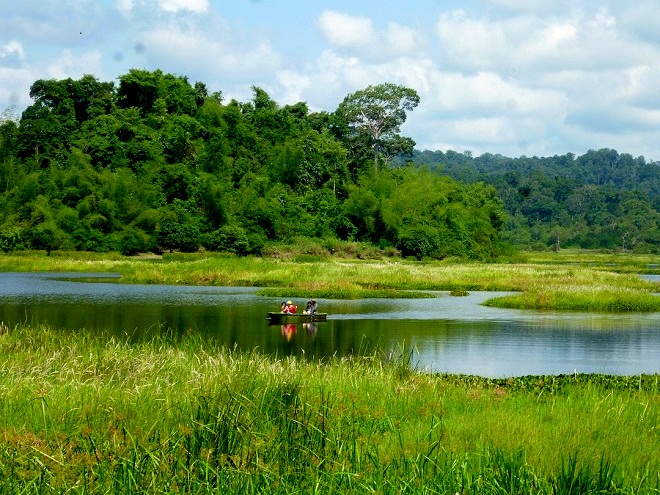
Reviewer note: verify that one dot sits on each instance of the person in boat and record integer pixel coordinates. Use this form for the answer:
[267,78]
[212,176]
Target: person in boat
[291,308]
[312,307]
[283,307]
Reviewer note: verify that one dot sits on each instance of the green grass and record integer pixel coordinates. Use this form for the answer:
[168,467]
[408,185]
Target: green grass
[84,413]
[613,300]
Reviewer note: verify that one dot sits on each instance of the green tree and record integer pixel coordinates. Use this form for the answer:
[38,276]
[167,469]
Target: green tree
[46,236]
[10,238]
[178,228]
[378,112]
[229,238]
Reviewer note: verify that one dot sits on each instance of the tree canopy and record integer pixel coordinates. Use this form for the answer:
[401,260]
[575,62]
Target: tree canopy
[600,200]
[156,163]
[378,112]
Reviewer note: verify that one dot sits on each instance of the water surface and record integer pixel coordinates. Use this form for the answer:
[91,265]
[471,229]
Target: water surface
[444,334]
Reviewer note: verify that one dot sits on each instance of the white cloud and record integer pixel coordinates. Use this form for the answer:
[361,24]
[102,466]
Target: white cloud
[640,20]
[576,40]
[12,49]
[174,6]
[537,7]
[127,8]
[15,87]
[346,31]
[293,86]
[471,44]
[190,51]
[69,65]
[358,36]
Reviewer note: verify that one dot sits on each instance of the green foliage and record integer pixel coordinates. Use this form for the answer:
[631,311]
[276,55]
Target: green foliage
[131,240]
[177,229]
[600,200]
[229,238]
[420,242]
[104,168]
[10,238]
[158,164]
[46,236]
[378,112]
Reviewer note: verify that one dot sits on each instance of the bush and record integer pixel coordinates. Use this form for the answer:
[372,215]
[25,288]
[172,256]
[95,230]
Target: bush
[11,239]
[132,241]
[420,242]
[231,239]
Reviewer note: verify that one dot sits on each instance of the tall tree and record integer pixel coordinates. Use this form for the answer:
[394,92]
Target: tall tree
[378,111]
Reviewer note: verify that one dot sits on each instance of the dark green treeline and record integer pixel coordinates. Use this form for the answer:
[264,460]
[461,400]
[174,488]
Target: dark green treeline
[600,200]
[154,163]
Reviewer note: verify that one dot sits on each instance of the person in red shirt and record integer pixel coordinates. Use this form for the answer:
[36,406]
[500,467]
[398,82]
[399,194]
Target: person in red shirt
[291,308]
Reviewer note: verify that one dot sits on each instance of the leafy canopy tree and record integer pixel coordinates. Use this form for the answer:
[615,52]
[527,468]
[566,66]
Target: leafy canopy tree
[379,111]
[156,163]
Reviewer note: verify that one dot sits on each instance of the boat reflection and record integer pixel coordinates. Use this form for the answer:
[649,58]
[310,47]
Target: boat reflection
[290,330]
[311,328]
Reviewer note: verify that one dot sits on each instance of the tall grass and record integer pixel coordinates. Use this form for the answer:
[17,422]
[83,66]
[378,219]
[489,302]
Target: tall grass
[584,298]
[86,413]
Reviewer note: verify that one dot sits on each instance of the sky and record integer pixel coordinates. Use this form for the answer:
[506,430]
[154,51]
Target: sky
[514,77]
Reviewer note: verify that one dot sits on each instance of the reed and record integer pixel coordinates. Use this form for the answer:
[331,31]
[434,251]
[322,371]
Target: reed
[88,413]
[594,299]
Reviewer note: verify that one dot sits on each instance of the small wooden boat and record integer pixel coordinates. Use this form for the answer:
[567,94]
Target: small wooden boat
[295,317]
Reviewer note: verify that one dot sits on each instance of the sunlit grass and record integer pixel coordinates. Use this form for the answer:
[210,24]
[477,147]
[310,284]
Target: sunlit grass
[83,412]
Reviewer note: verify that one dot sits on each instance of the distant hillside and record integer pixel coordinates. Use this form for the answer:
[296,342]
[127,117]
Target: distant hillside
[599,200]
[596,167]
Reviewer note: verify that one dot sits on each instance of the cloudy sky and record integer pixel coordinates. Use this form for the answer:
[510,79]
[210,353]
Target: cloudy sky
[516,77]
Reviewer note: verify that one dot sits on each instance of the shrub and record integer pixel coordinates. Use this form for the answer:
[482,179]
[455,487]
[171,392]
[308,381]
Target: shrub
[229,238]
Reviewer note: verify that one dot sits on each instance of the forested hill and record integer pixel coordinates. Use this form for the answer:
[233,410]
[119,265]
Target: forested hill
[605,167]
[155,163]
[602,199]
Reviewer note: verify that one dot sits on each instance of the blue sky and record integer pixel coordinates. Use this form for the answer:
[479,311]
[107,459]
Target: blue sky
[516,77]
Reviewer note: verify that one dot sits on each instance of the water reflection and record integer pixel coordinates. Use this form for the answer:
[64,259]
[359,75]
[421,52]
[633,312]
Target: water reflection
[448,334]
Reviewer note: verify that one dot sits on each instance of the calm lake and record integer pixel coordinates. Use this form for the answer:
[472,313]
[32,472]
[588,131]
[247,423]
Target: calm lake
[442,334]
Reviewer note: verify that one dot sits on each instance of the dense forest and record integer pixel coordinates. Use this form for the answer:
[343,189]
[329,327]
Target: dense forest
[154,163]
[599,200]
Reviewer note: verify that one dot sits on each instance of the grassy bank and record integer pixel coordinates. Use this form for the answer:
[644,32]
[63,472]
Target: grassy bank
[82,413]
[567,281]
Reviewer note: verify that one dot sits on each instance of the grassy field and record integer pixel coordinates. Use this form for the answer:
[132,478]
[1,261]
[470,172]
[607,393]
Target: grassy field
[82,413]
[86,413]
[565,280]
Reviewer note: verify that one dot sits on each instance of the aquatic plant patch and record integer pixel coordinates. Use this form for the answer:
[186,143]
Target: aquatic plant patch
[542,285]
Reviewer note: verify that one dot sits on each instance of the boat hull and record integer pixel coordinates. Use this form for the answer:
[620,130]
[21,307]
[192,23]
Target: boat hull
[296,317]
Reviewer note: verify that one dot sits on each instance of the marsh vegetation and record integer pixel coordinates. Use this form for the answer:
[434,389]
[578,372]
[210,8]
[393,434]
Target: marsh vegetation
[86,414]
[83,412]
[564,281]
